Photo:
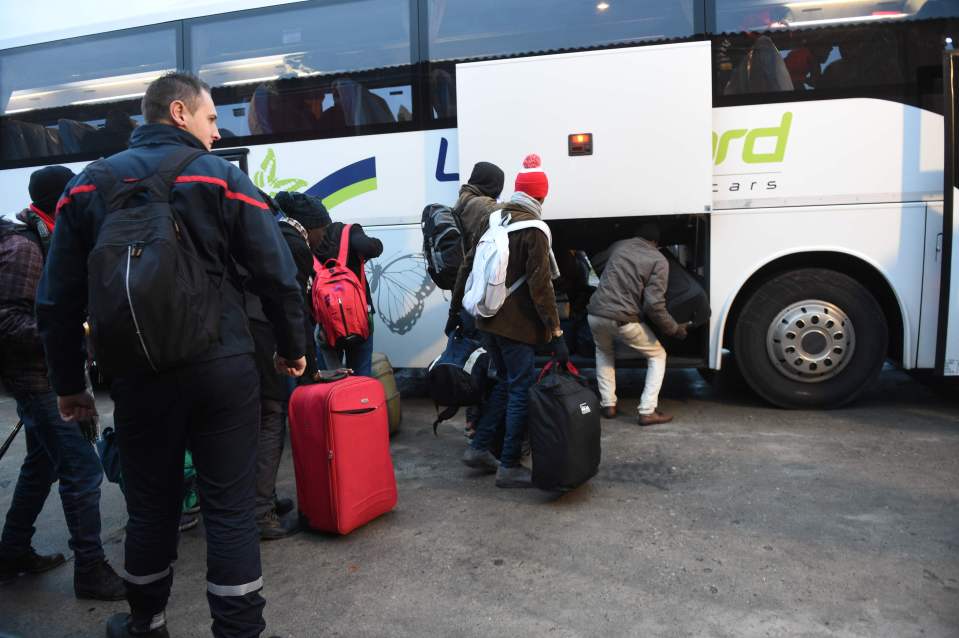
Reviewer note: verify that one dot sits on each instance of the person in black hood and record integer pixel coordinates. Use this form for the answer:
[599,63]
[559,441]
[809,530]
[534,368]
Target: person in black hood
[303,220]
[358,357]
[477,199]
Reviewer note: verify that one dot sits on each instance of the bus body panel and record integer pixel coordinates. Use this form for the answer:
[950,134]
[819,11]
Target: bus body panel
[647,109]
[410,310]
[825,152]
[374,180]
[888,237]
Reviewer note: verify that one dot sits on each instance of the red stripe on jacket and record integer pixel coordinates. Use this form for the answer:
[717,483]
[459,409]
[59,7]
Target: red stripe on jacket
[205,179]
[182,179]
[83,188]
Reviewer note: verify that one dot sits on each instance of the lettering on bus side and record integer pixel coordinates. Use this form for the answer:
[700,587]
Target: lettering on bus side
[723,143]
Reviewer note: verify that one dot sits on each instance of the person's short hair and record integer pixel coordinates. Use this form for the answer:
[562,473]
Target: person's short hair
[647,229]
[167,89]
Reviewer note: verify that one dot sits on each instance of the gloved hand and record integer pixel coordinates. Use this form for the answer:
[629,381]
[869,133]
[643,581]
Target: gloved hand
[560,350]
[454,322]
[682,330]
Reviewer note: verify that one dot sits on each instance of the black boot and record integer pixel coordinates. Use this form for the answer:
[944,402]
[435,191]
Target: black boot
[272,527]
[123,626]
[29,562]
[98,582]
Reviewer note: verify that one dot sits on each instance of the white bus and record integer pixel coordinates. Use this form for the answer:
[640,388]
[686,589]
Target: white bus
[793,150]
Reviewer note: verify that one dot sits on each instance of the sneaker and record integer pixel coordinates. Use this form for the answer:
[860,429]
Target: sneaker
[29,562]
[517,476]
[480,460]
[656,418]
[272,527]
[609,412]
[283,506]
[188,521]
[98,582]
[122,626]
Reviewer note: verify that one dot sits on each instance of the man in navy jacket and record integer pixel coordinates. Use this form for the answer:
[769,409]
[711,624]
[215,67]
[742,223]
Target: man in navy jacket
[210,404]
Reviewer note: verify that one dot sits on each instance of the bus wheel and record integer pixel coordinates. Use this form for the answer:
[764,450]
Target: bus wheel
[810,338]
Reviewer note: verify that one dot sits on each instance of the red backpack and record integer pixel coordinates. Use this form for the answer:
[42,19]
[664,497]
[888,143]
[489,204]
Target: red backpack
[339,299]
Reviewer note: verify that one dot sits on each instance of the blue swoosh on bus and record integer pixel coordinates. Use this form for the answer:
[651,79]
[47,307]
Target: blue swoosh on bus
[346,183]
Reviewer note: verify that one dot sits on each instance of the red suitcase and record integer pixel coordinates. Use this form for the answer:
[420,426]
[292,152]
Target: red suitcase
[341,453]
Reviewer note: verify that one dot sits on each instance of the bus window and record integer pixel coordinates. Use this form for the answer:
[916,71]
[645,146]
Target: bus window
[461,29]
[760,15]
[899,60]
[316,71]
[78,96]
[466,29]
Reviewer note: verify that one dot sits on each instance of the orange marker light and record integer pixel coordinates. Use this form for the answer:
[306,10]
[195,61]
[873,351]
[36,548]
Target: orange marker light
[580,144]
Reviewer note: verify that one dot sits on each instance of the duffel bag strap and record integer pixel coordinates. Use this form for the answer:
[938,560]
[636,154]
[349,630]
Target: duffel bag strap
[553,365]
[447,413]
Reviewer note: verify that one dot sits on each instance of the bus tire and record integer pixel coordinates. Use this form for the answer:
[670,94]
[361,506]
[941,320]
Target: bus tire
[810,338]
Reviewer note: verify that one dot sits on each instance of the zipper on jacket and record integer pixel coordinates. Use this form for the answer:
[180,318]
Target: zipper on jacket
[130,255]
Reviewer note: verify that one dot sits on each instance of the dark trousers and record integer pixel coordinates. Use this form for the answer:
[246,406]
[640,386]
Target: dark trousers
[214,408]
[55,451]
[515,368]
[358,357]
[270,450]
[469,330]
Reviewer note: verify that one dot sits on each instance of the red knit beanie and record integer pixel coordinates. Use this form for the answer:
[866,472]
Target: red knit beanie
[532,180]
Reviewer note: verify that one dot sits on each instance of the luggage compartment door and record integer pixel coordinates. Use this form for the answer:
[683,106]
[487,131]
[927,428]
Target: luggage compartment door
[647,112]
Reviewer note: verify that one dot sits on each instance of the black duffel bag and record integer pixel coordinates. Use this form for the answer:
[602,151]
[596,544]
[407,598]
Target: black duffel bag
[564,429]
[686,297]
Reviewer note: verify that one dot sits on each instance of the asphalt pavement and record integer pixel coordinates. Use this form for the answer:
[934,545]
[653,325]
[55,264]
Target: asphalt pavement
[736,520]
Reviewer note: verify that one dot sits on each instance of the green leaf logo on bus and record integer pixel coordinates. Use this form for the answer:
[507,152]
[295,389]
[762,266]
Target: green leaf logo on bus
[266,180]
[726,143]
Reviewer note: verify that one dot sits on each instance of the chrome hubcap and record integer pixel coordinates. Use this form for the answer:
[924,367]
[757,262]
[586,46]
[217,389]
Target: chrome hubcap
[811,341]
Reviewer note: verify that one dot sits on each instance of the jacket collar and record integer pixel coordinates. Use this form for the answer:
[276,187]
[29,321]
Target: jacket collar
[151,134]
[522,207]
[470,191]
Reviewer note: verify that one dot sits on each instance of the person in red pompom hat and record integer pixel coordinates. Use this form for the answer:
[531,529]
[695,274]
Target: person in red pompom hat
[527,319]
[532,179]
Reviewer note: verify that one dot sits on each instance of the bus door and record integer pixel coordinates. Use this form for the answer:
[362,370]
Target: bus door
[947,360]
[620,132]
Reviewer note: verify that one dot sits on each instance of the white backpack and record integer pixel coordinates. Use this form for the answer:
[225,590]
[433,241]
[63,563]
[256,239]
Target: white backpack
[486,289]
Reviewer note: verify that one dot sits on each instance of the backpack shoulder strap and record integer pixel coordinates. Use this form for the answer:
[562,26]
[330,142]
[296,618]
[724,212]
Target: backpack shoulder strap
[532,223]
[173,164]
[110,188]
[344,244]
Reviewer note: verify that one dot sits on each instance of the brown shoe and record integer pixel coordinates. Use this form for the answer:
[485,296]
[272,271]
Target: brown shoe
[609,412]
[655,418]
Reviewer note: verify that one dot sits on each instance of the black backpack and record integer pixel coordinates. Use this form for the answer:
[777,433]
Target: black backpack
[459,377]
[442,244]
[564,429]
[152,304]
